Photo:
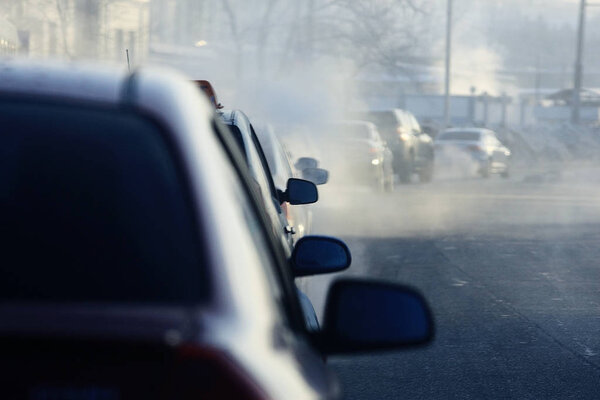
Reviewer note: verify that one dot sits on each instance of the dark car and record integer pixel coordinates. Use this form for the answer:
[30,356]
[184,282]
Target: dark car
[412,148]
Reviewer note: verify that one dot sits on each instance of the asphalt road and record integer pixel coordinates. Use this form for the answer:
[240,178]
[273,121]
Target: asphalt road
[511,269]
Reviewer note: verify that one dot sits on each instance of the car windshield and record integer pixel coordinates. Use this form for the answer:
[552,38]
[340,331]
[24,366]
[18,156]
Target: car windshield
[349,131]
[93,209]
[459,135]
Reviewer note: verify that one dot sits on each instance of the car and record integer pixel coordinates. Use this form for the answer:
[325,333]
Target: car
[301,191]
[478,146]
[357,153]
[137,258]
[298,217]
[274,200]
[412,148]
[307,166]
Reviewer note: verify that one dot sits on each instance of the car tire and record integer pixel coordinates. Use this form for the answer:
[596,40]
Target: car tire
[505,174]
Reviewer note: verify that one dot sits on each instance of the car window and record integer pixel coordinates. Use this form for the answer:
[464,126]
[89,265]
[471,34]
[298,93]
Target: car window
[277,161]
[264,166]
[237,135]
[415,123]
[253,158]
[375,135]
[459,135]
[93,208]
[385,121]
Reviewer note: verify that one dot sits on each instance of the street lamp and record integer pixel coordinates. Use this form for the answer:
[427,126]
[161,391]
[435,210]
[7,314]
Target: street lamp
[577,81]
[447,69]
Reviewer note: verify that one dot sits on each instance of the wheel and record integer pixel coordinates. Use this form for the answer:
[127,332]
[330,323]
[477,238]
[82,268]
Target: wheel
[505,174]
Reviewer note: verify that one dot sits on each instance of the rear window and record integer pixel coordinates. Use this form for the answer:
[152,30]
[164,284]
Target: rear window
[92,208]
[351,131]
[459,135]
[386,122]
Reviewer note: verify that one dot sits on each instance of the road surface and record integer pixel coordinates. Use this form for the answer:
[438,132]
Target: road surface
[511,269]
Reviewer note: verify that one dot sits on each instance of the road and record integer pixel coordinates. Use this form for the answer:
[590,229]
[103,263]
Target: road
[511,269]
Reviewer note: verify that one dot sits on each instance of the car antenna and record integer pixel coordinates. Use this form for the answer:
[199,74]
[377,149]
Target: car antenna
[128,63]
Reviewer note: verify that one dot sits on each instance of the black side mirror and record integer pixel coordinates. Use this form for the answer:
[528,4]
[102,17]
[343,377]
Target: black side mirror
[299,191]
[315,255]
[318,176]
[306,162]
[363,315]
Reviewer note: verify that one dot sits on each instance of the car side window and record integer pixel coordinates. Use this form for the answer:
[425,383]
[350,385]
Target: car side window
[260,249]
[263,161]
[260,170]
[415,123]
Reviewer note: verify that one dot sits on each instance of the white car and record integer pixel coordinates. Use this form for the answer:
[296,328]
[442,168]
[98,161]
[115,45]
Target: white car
[137,261]
[477,146]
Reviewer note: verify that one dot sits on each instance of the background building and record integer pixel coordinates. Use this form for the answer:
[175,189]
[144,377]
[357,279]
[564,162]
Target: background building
[80,29]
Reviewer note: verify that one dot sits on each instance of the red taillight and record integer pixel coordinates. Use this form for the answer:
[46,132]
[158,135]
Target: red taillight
[373,150]
[210,374]
[474,148]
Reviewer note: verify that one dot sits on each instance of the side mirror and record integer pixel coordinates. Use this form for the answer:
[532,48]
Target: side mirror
[318,176]
[306,162]
[300,191]
[315,255]
[362,315]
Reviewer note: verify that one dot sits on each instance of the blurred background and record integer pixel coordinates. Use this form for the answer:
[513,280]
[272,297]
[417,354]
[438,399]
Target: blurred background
[512,60]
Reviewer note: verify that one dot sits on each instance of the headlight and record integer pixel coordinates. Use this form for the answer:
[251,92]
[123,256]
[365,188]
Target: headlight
[375,161]
[404,137]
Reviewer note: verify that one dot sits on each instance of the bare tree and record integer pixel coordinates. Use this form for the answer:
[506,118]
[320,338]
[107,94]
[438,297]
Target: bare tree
[382,34]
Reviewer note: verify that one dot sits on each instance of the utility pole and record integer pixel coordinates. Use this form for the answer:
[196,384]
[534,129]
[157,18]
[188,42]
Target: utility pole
[448,58]
[576,102]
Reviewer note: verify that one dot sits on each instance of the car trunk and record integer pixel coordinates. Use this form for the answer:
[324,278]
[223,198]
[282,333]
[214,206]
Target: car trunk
[102,354]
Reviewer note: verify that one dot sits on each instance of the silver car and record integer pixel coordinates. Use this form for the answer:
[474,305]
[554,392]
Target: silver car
[477,146]
[137,261]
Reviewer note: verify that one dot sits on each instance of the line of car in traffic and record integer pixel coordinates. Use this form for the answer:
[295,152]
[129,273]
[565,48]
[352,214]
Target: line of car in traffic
[381,145]
[147,251]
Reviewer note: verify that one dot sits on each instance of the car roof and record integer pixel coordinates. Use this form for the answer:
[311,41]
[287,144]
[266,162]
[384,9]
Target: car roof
[86,82]
[62,79]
